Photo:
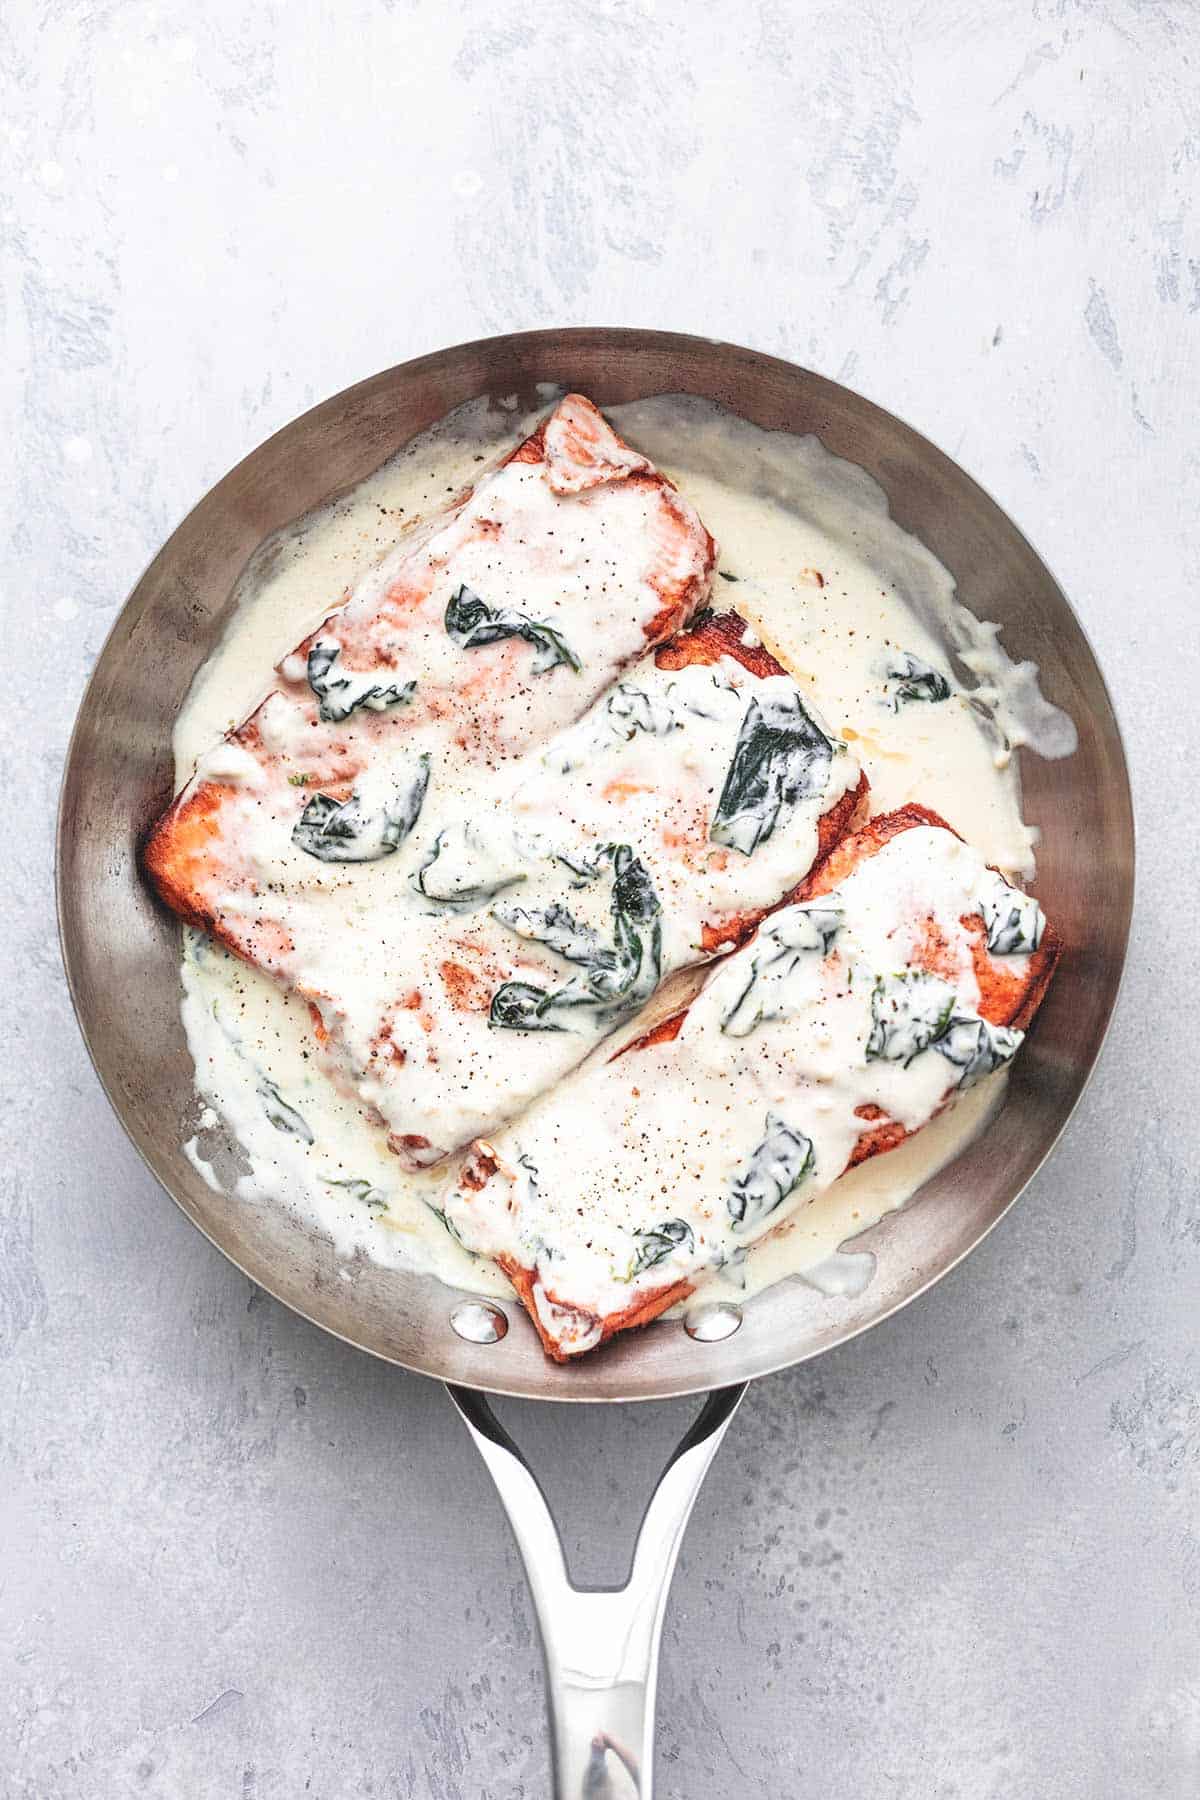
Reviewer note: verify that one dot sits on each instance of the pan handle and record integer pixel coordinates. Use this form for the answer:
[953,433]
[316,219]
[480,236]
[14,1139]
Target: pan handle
[600,1644]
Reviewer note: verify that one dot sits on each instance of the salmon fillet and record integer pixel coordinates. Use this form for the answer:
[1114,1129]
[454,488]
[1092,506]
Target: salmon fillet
[834,1034]
[487,629]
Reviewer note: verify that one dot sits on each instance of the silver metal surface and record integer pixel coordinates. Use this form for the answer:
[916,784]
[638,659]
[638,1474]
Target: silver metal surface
[479,1322]
[600,1644]
[713,1324]
[121,949]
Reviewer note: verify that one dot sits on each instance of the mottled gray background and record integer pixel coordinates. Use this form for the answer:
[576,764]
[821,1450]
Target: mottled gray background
[954,1559]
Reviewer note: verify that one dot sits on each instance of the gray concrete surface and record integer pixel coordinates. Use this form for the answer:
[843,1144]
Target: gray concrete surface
[957,1558]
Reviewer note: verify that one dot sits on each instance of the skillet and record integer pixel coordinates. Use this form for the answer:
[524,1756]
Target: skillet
[121,953]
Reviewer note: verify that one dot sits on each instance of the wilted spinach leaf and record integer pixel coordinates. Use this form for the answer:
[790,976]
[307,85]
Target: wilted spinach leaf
[280,1114]
[772,1171]
[340,695]
[908,1013]
[471,622]
[613,981]
[359,1188]
[519,1006]
[780,757]
[447,1222]
[812,926]
[797,934]
[470,862]
[631,709]
[732,1264]
[907,678]
[1014,920]
[556,927]
[586,864]
[977,1047]
[657,1243]
[341,832]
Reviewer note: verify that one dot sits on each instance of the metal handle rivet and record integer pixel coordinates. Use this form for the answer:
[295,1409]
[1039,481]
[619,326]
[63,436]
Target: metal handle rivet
[709,1324]
[478,1322]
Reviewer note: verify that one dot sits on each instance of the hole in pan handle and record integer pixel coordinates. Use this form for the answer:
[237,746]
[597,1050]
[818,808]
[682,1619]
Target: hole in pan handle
[600,1644]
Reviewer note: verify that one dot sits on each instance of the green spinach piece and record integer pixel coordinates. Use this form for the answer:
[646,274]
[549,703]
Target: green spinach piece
[359,1188]
[280,1114]
[341,832]
[631,709]
[556,927]
[781,757]
[909,1012]
[471,622]
[732,1264]
[448,1225]
[614,981]
[585,865]
[798,933]
[977,1047]
[907,678]
[626,711]
[340,695]
[1014,920]
[519,1006]
[468,864]
[773,1170]
[656,1244]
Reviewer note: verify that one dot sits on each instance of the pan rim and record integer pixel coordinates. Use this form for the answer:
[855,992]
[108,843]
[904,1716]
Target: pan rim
[139,598]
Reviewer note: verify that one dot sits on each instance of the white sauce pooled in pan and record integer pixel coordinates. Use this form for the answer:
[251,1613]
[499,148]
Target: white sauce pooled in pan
[853,606]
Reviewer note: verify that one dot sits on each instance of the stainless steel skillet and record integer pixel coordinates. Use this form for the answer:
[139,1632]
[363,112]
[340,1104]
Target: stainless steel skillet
[121,955]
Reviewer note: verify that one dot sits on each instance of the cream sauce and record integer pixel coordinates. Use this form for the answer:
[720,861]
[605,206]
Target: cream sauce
[835,588]
[826,580]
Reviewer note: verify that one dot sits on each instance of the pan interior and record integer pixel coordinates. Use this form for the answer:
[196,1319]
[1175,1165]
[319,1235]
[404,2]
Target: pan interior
[121,950]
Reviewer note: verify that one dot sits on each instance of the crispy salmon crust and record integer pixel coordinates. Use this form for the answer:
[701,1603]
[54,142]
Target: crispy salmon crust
[177,855]
[714,635]
[639,1312]
[1004,1000]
